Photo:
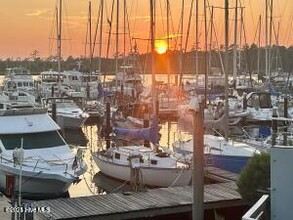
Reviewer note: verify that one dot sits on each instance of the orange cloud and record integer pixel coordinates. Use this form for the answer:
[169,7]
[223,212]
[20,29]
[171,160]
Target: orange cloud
[37,12]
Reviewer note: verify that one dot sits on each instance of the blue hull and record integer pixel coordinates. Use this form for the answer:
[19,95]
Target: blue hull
[233,164]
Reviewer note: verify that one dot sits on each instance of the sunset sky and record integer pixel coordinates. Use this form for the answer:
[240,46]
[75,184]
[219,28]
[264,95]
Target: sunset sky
[28,25]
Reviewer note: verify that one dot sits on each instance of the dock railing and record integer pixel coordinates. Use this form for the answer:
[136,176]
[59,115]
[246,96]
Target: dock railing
[259,210]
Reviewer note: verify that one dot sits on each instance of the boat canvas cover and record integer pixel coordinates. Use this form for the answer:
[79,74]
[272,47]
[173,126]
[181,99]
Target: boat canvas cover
[151,133]
[27,124]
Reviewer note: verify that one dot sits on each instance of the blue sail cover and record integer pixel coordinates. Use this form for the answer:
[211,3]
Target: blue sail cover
[151,133]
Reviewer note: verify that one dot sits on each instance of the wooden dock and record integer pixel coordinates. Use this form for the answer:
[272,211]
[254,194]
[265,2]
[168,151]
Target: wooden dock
[154,202]
[220,175]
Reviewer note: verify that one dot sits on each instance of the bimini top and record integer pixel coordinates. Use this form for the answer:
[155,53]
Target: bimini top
[33,122]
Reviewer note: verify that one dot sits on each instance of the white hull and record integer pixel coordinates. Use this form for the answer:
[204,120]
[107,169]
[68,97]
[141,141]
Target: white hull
[70,122]
[36,183]
[162,177]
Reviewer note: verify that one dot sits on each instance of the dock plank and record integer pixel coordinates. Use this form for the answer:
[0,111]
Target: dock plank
[138,204]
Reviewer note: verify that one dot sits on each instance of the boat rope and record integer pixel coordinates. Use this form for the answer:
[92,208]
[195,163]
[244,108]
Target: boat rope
[89,188]
[119,187]
[176,179]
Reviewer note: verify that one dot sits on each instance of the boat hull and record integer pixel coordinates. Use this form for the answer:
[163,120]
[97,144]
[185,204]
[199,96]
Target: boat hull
[234,164]
[159,177]
[70,122]
[34,184]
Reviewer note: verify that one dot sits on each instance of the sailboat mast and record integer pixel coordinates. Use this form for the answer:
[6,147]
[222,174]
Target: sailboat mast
[90,39]
[235,42]
[258,52]
[226,66]
[101,35]
[196,37]
[181,43]
[270,38]
[266,35]
[206,55]
[168,41]
[59,32]
[152,30]
[117,39]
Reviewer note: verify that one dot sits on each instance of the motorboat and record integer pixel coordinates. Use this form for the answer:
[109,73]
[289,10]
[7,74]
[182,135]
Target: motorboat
[34,155]
[68,114]
[226,154]
[18,79]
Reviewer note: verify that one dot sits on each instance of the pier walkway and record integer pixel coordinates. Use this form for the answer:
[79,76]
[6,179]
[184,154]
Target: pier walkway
[154,202]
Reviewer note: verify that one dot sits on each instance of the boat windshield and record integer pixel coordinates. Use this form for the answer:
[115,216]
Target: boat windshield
[32,140]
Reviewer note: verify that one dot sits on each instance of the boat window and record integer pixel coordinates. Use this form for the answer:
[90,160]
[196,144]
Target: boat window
[32,140]
[154,162]
[19,84]
[117,156]
[141,160]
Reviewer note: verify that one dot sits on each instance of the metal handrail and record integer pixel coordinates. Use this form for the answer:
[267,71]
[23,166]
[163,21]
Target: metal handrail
[258,211]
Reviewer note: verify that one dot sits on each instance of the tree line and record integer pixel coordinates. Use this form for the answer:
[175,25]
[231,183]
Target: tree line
[249,60]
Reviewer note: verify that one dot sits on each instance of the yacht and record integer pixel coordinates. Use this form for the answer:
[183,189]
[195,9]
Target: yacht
[18,79]
[34,155]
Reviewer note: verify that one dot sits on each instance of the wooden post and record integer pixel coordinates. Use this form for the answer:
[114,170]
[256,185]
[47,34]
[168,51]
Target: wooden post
[274,127]
[198,163]
[146,122]
[108,125]
[54,111]
[52,91]
[285,140]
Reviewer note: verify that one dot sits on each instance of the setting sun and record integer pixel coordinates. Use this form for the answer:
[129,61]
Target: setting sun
[161,46]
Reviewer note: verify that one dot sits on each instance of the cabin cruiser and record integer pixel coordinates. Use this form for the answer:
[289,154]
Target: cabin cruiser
[18,79]
[50,83]
[68,114]
[33,151]
[86,84]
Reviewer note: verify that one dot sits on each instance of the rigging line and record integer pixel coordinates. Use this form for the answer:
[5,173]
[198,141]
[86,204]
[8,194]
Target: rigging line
[110,28]
[86,38]
[86,183]
[67,25]
[161,9]
[189,24]
[134,21]
[278,54]
[247,51]
[256,31]
[128,27]
[52,33]
[172,26]
[177,178]
[96,30]
[119,187]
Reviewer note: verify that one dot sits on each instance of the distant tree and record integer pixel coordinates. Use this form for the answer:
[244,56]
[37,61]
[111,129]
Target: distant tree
[35,55]
[255,177]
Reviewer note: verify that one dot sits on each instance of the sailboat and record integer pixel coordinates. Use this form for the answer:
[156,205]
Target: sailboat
[155,168]
[149,166]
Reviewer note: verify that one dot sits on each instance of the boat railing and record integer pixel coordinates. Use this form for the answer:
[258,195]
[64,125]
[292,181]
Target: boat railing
[7,161]
[259,210]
